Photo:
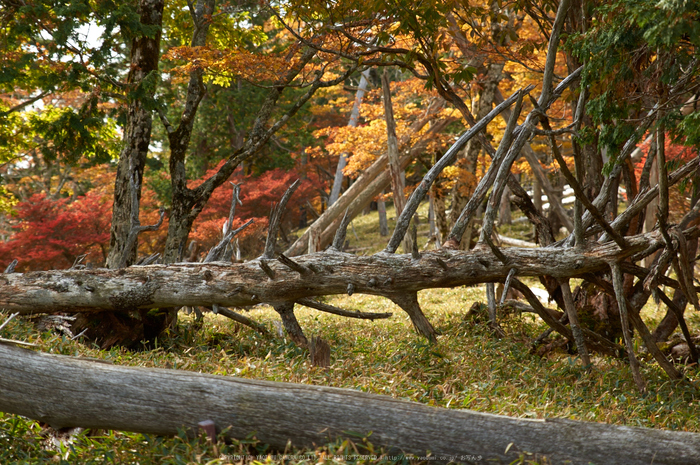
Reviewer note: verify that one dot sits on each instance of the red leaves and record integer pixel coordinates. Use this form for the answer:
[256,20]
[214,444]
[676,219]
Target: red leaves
[52,233]
[258,194]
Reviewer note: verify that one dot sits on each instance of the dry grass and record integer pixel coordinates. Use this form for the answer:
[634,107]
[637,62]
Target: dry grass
[468,368]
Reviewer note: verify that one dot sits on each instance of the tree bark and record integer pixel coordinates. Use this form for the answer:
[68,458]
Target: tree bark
[75,392]
[396,171]
[145,54]
[326,273]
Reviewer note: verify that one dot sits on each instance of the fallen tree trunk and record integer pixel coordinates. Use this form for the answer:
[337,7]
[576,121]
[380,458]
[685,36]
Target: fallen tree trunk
[285,280]
[64,391]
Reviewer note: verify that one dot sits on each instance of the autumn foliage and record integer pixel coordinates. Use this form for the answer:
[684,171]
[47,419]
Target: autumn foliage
[51,234]
[258,195]
[46,233]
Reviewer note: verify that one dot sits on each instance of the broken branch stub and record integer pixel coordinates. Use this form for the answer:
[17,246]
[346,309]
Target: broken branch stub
[276,220]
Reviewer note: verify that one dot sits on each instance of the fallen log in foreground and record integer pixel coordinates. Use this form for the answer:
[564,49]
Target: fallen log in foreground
[65,391]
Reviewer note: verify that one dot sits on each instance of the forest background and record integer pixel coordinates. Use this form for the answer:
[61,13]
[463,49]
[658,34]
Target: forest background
[67,85]
[163,109]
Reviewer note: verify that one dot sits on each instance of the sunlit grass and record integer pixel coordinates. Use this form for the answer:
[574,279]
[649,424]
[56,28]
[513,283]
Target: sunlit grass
[469,368]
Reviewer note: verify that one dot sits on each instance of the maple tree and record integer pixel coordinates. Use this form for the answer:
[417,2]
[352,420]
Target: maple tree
[53,234]
[259,194]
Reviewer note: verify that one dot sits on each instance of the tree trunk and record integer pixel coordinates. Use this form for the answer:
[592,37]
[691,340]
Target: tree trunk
[354,118]
[145,54]
[75,392]
[396,171]
[326,273]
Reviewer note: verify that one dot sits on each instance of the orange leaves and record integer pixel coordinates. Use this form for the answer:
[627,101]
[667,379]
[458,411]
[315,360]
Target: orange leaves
[365,143]
[452,174]
[226,64]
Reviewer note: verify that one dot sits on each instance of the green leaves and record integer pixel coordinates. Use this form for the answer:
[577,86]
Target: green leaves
[639,54]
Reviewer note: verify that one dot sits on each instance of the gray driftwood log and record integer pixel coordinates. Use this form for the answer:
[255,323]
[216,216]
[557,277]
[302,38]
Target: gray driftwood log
[65,391]
[325,273]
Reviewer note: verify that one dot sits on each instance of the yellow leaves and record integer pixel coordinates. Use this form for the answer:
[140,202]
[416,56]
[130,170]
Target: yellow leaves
[452,174]
[223,65]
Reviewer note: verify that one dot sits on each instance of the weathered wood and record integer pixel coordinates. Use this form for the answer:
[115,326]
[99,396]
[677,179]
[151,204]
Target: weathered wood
[233,285]
[64,391]
[291,325]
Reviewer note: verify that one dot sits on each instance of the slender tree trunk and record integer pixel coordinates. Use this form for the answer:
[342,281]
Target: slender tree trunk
[354,118]
[182,199]
[381,209]
[396,171]
[145,54]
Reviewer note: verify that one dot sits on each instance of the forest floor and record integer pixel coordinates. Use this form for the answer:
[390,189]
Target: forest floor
[469,368]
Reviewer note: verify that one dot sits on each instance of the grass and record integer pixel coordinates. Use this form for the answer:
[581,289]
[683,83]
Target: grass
[469,368]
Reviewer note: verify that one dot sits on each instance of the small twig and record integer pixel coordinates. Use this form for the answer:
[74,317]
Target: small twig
[341,232]
[506,285]
[235,199]
[77,261]
[216,251]
[276,219]
[288,262]
[563,320]
[19,343]
[496,251]
[266,268]
[149,259]
[244,320]
[79,334]
[306,302]
[8,320]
